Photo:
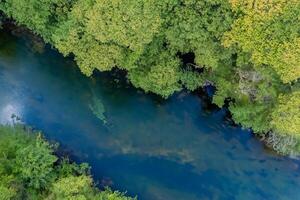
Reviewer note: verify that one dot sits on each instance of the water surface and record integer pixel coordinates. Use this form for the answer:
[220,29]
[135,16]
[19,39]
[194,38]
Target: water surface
[158,150]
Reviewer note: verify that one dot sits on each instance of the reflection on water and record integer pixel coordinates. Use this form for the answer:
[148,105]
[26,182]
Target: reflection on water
[9,112]
[156,149]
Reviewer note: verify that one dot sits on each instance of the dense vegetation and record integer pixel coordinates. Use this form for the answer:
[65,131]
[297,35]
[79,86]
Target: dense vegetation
[30,170]
[248,49]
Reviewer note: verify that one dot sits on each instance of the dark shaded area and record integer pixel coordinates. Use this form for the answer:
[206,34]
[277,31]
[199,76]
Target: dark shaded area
[188,62]
[187,58]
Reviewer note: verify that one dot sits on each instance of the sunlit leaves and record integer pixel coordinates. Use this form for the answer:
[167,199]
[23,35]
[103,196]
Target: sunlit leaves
[105,34]
[286,116]
[72,188]
[160,74]
[34,164]
[130,24]
[269,31]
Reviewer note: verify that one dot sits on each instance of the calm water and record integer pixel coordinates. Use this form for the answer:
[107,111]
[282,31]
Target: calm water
[158,150]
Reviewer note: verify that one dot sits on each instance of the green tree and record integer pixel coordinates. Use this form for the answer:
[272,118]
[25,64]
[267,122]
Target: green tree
[38,15]
[72,188]
[269,31]
[115,31]
[197,26]
[34,164]
[157,70]
[286,115]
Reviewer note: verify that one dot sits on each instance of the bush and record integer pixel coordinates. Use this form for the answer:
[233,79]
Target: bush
[30,170]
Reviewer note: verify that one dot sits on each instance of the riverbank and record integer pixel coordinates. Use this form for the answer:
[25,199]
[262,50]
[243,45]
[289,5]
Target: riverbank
[30,169]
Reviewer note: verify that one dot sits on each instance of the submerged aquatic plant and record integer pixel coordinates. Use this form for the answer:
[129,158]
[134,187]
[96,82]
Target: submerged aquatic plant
[98,109]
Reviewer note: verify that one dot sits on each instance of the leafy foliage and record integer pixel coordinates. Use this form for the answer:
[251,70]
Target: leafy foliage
[286,115]
[269,31]
[157,70]
[30,170]
[35,163]
[72,187]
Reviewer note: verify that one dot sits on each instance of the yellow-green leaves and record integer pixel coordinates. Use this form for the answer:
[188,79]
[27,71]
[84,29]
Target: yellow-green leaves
[130,24]
[104,34]
[72,188]
[265,8]
[289,60]
[160,75]
[35,163]
[38,15]
[269,31]
[286,116]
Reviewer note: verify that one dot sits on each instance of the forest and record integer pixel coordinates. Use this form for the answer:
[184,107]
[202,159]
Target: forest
[249,50]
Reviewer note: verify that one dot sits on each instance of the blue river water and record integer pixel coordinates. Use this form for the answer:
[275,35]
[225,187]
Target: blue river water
[175,149]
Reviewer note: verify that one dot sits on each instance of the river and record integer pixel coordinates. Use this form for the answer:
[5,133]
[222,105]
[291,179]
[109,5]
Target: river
[175,149]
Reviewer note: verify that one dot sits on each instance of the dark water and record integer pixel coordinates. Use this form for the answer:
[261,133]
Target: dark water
[164,150]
